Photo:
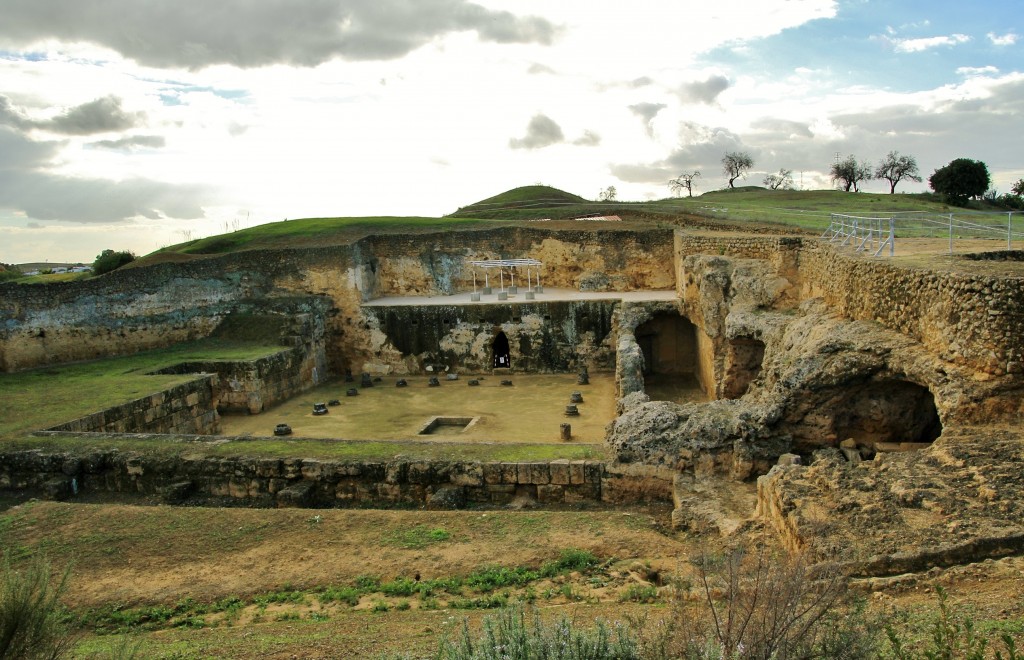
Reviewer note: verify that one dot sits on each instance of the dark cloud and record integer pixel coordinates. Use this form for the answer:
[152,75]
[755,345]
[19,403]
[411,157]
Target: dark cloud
[701,148]
[195,33]
[704,91]
[588,139]
[542,131]
[648,111]
[104,115]
[132,142]
[26,186]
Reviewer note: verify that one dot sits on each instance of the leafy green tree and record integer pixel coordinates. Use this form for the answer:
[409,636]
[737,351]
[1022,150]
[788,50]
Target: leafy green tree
[1018,188]
[736,164]
[848,173]
[8,272]
[894,168]
[109,260]
[963,179]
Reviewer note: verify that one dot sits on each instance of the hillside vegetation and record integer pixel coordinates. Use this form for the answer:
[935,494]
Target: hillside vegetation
[750,207]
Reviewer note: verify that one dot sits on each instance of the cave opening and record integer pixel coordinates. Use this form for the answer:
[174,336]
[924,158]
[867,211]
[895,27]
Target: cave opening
[502,358]
[888,415]
[742,366]
[668,343]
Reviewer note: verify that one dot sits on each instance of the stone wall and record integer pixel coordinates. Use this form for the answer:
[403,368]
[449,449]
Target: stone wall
[969,320]
[542,337]
[964,319]
[251,386]
[187,408]
[273,482]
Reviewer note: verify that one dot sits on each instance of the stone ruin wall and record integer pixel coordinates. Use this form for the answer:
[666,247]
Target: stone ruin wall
[187,408]
[970,320]
[277,482]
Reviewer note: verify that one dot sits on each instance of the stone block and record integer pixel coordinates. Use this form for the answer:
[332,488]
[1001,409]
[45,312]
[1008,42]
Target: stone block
[540,473]
[468,474]
[446,498]
[579,493]
[396,472]
[296,495]
[420,472]
[559,471]
[550,494]
[509,473]
[492,473]
[577,473]
[593,471]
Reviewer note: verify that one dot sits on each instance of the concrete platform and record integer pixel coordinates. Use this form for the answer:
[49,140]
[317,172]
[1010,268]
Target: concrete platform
[549,295]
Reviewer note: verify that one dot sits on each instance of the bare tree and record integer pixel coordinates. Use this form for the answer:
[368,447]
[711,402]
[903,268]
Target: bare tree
[783,180]
[736,164]
[848,173]
[894,168]
[683,182]
[608,194]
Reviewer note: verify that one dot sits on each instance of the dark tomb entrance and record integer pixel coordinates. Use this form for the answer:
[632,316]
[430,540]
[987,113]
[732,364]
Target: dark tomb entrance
[502,358]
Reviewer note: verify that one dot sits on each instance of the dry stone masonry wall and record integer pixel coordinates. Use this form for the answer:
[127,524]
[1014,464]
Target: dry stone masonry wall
[271,482]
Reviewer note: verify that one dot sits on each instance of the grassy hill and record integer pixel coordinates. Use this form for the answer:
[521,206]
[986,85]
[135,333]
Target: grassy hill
[742,208]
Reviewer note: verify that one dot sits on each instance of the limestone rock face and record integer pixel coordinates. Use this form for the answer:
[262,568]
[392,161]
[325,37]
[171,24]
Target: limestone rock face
[824,379]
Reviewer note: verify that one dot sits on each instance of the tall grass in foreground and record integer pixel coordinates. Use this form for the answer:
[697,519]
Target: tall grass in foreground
[32,625]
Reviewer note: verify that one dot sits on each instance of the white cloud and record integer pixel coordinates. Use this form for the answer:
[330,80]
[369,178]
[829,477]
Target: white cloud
[976,70]
[1008,39]
[925,43]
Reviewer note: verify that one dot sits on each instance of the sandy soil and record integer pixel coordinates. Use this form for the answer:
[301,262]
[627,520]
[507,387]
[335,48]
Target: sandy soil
[531,410]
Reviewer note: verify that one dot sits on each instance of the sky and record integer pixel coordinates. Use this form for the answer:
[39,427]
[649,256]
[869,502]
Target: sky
[137,124]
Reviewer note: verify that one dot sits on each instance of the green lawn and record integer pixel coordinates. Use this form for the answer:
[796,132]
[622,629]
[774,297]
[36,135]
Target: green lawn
[40,398]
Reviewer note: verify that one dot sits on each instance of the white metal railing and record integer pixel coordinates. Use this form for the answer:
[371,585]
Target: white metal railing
[864,234]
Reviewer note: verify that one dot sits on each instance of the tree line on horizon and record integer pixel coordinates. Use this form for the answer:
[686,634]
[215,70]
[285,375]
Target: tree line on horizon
[958,182]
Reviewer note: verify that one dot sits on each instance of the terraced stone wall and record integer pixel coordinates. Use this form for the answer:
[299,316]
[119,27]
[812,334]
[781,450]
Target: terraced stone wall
[187,408]
[274,482]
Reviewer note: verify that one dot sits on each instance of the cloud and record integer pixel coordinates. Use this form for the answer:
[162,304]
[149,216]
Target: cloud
[27,187]
[976,70]
[194,33]
[647,111]
[704,91]
[655,173]
[782,128]
[132,142]
[1004,40]
[542,131]
[588,139]
[104,115]
[919,45]
[537,68]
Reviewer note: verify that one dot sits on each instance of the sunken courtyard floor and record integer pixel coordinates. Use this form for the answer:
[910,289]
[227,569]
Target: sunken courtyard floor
[532,409]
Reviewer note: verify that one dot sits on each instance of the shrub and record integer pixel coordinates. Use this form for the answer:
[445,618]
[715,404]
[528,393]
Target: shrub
[31,619]
[508,635]
[109,260]
[769,607]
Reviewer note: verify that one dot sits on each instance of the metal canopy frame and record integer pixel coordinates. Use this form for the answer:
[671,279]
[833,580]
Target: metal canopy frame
[502,264]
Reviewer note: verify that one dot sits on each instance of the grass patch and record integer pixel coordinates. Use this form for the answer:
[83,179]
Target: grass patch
[310,232]
[417,537]
[44,397]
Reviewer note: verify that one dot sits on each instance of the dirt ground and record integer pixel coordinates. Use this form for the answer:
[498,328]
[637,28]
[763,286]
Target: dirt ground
[125,556]
[531,410]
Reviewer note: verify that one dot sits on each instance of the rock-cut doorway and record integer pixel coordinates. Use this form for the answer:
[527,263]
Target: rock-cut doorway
[502,358]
